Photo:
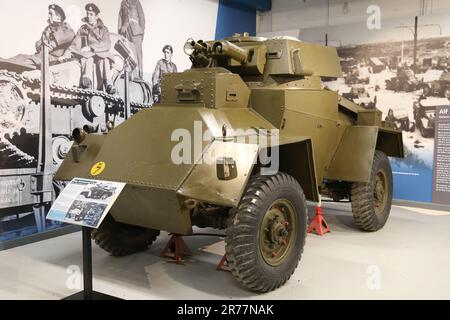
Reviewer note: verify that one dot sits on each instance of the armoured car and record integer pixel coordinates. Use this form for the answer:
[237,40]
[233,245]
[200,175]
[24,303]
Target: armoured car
[240,142]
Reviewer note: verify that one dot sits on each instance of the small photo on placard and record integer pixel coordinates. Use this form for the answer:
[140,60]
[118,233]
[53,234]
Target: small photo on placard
[85,202]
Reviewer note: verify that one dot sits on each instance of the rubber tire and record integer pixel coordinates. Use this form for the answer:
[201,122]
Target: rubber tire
[120,240]
[363,200]
[242,235]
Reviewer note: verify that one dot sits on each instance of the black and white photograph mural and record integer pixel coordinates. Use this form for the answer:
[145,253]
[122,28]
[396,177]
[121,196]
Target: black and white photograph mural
[397,62]
[87,71]
[394,57]
[92,48]
[407,82]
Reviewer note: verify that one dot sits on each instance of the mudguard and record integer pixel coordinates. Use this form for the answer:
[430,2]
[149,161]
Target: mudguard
[354,157]
[204,184]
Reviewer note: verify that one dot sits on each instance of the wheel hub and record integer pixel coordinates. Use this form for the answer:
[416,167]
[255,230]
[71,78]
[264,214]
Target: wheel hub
[12,107]
[380,192]
[277,233]
[60,147]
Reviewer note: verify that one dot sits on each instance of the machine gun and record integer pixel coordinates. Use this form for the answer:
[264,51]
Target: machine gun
[212,54]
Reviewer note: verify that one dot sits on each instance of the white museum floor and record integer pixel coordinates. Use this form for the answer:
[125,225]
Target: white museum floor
[408,259]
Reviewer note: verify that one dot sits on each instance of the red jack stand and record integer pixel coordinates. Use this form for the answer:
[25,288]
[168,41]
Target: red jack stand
[176,249]
[223,265]
[318,224]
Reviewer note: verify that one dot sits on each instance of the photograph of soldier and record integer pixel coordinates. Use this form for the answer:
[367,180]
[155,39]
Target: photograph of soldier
[132,27]
[162,67]
[86,213]
[75,210]
[58,35]
[92,46]
[401,123]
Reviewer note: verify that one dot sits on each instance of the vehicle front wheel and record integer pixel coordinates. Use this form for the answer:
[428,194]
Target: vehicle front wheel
[372,201]
[120,239]
[266,233]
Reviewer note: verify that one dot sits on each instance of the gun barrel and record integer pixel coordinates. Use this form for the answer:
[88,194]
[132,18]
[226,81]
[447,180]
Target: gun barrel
[199,47]
[231,50]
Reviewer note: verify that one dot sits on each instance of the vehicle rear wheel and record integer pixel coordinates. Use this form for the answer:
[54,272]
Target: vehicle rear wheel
[120,239]
[372,201]
[266,233]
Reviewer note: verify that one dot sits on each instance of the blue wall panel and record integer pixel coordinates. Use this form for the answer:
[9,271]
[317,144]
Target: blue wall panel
[262,5]
[412,182]
[235,18]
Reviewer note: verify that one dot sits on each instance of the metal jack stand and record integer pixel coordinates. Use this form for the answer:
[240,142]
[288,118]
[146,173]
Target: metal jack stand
[223,265]
[318,224]
[88,293]
[176,249]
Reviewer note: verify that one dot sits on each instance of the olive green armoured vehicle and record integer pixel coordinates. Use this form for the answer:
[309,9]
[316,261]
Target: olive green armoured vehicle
[240,142]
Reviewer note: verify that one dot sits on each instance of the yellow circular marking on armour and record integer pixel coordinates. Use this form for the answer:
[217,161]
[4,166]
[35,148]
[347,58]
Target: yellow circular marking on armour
[98,168]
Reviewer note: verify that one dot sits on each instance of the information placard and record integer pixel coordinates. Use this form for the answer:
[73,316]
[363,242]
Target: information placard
[85,202]
[441,177]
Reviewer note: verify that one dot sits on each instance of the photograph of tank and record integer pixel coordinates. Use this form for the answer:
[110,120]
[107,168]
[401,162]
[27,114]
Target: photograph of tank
[94,82]
[99,192]
[86,213]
